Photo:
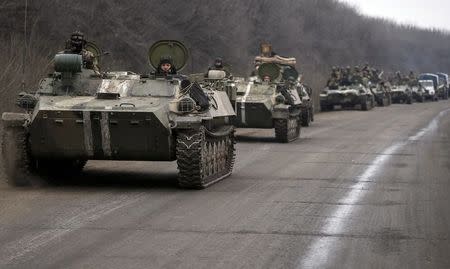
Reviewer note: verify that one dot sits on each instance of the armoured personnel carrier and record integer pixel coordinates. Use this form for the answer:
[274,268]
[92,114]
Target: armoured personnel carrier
[77,115]
[351,96]
[270,100]
[382,93]
[402,94]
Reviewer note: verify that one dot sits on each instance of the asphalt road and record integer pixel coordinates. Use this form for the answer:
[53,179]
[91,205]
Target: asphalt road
[358,190]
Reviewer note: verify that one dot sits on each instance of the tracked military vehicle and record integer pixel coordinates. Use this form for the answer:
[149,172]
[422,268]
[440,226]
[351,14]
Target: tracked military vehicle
[78,115]
[402,94]
[270,101]
[356,95]
[382,94]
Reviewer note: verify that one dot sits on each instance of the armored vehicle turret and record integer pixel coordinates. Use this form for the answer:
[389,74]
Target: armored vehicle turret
[78,115]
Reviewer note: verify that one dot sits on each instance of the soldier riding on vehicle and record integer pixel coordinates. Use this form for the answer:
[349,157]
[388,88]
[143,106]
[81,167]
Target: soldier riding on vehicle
[77,45]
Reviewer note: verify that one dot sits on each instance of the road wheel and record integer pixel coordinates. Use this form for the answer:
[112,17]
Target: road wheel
[204,157]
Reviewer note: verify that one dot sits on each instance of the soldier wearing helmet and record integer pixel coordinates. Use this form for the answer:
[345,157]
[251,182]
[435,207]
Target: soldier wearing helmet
[76,45]
[166,67]
[346,79]
[357,77]
[219,65]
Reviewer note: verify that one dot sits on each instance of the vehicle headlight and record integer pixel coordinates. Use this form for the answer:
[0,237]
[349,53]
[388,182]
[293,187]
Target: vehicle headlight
[186,104]
[183,105]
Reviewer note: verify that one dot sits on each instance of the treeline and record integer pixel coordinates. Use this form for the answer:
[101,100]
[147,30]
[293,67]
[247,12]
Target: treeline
[320,33]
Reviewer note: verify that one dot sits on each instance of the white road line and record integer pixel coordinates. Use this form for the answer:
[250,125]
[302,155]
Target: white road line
[318,253]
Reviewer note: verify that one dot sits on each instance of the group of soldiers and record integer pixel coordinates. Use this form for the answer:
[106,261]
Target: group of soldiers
[76,44]
[399,79]
[349,76]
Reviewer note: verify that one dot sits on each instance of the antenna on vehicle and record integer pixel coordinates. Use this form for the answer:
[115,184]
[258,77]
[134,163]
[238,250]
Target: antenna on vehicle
[24,44]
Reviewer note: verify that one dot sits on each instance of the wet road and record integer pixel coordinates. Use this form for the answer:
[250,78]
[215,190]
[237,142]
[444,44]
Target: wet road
[359,190]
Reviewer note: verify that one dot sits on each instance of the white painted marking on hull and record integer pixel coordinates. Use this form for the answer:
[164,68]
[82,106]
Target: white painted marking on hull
[106,134]
[243,100]
[87,130]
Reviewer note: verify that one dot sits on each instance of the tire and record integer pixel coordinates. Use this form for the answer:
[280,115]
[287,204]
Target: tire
[204,157]
[16,158]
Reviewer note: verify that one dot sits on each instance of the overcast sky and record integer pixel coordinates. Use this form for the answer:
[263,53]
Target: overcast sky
[428,13]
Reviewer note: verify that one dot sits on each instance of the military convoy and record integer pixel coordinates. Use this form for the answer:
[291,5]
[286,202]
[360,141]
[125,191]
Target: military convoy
[78,115]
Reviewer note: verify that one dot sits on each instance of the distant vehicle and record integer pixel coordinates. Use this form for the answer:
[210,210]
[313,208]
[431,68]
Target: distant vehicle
[429,89]
[438,85]
[273,104]
[347,97]
[401,94]
[418,93]
[445,81]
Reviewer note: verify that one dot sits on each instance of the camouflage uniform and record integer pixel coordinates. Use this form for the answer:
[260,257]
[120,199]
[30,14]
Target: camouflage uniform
[76,45]
[357,77]
[412,79]
[346,79]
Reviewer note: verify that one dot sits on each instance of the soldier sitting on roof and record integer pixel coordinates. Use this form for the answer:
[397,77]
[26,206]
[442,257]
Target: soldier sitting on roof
[76,45]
